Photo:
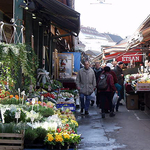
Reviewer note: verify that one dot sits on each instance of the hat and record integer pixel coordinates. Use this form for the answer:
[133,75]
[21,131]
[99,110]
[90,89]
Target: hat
[120,62]
[109,65]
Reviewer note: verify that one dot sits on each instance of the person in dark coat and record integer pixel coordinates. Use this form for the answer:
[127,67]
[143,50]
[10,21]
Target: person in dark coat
[97,70]
[106,95]
[118,87]
[120,77]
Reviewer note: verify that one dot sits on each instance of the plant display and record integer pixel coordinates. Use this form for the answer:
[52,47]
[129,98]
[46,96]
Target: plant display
[11,127]
[30,135]
[36,112]
[62,138]
[15,59]
[10,101]
[10,116]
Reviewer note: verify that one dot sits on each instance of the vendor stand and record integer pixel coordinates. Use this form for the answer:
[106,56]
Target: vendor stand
[139,86]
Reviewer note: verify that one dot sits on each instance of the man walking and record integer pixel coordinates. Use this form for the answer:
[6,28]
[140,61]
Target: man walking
[97,70]
[86,84]
[120,77]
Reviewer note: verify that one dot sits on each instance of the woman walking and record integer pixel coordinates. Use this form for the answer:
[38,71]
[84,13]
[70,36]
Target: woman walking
[105,94]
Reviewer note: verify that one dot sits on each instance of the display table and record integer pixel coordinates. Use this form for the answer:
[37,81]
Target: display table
[69,82]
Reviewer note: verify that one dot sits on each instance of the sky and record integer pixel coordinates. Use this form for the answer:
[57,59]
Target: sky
[122,17]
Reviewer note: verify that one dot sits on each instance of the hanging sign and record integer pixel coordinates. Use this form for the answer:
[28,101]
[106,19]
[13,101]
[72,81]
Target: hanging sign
[130,57]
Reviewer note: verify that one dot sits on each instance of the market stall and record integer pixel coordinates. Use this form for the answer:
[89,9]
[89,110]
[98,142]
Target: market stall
[137,85]
[46,113]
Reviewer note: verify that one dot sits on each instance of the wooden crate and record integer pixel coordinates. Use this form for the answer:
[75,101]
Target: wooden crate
[12,141]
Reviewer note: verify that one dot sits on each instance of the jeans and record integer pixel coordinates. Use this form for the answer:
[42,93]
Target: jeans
[103,97]
[121,96]
[85,103]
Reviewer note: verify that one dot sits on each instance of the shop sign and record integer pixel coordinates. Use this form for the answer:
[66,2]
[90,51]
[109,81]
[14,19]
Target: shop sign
[130,58]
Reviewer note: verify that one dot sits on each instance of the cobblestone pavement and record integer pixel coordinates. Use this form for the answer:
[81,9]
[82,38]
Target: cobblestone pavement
[128,130]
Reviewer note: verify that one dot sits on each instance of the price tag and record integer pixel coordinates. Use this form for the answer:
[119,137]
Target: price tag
[17,115]
[32,119]
[2,114]
[30,88]
[33,101]
[42,97]
[49,88]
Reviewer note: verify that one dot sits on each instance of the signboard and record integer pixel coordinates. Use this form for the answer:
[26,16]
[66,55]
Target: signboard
[130,57]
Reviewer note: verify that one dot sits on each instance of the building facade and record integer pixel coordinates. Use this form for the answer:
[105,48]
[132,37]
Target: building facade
[94,41]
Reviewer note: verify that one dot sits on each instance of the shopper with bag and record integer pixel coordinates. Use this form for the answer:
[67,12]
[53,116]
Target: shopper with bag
[86,84]
[106,87]
[119,73]
[118,87]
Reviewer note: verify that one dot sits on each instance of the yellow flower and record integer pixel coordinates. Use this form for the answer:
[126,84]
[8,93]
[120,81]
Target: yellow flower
[58,138]
[50,137]
[66,136]
[73,121]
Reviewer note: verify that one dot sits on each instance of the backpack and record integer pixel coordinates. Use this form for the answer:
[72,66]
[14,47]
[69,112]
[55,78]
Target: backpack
[102,83]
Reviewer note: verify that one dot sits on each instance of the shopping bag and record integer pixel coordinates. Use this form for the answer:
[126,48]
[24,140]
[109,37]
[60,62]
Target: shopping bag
[93,96]
[115,99]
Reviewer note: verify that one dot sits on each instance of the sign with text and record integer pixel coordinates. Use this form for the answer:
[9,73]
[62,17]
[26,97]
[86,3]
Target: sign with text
[130,57]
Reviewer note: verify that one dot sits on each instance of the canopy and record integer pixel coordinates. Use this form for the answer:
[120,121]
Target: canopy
[126,57]
[60,14]
[116,48]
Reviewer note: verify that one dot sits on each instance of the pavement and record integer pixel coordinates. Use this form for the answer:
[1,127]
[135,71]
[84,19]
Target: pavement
[128,130]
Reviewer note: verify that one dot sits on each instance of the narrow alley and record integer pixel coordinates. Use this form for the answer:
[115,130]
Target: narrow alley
[128,130]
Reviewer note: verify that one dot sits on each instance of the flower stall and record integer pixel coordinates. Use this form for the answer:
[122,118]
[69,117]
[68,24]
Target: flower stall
[137,89]
[45,114]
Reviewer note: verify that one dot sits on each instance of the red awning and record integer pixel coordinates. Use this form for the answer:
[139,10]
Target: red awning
[128,57]
[112,56]
[125,57]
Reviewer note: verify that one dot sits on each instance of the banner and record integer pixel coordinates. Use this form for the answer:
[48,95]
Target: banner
[130,57]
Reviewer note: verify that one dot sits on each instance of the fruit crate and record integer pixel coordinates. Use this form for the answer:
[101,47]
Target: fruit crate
[143,86]
[65,106]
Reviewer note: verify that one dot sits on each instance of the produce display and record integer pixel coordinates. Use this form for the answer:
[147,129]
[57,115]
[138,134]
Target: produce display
[139,82]
[37,113]
[29,104]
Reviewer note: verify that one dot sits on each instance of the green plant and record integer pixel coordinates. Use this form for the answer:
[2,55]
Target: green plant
[41,134]
[10,116]
[30,135]
[46,111]
[10,101]
[14,60]
[11,128]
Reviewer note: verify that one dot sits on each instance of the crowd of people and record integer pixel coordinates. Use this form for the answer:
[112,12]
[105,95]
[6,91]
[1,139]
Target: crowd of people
[105,82]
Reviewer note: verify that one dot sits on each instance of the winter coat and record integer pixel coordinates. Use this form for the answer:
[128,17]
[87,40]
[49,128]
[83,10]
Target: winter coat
[86,81]
[114,76]
[118,72]
[97,72]
[110,82]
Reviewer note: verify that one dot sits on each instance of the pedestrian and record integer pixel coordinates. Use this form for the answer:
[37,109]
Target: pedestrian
[120,77]
[86,83]
[114,63]
[106,94]
[118,87]
[97,70]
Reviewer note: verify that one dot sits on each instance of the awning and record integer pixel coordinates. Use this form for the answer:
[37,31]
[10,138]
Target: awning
[126,57]
[60,14]
[112,56]
[130,57]
[116,48]
[141,35]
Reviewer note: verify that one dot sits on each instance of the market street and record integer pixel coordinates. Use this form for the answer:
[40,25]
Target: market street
[128,130]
